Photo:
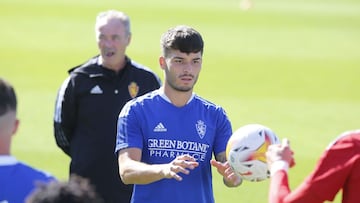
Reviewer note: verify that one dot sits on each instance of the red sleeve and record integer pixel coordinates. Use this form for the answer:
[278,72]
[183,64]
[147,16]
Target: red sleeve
[333,170]
[279,187]
[331,173]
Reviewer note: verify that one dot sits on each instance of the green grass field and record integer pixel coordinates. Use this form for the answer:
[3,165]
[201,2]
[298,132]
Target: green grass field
[291,65]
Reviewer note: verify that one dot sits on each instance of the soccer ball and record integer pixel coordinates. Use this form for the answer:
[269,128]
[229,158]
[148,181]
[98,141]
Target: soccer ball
[245,151]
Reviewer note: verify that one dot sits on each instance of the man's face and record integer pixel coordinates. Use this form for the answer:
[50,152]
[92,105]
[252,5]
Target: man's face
[112,40]
[181,69]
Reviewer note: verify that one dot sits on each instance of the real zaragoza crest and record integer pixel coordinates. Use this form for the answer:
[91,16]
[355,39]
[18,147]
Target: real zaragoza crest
[133,89]
[201,128]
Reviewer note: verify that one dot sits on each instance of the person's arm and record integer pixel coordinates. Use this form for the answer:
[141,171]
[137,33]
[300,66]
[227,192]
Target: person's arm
[280,190]
[133,171]
[229,177]
[279,158]
[324,182]
[64,116]
[279,184]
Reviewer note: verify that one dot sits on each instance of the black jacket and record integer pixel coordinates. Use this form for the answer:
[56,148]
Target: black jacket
[85,121]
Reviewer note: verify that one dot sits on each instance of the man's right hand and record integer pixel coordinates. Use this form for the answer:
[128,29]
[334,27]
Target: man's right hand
[180,164]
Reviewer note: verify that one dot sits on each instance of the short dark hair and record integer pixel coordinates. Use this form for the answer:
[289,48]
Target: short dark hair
[8,101]
[183,38]
[76,190]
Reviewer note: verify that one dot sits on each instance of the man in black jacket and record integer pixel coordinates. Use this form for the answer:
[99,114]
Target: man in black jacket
[89,101]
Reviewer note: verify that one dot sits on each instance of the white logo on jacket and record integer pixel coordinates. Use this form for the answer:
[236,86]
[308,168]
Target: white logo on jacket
[96,90]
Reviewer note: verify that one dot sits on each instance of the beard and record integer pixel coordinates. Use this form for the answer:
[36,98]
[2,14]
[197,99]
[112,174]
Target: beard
[179,88]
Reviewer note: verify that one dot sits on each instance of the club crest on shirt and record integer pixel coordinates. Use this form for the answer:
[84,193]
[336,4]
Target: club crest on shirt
[201,128]
[133,89]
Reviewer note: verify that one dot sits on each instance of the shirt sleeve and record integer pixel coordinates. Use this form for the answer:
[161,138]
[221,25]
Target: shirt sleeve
[64,116]
[279,186]
[328,177]
[223,132]
[128,130]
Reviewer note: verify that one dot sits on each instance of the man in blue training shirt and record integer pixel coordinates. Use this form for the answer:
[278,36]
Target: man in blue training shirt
[166,138]
[17,179]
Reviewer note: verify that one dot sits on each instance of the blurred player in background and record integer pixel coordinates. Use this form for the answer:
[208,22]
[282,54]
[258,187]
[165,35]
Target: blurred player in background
[337,169]
[245,4]
[76,190]
[166,138]
[89,102]
[17,179]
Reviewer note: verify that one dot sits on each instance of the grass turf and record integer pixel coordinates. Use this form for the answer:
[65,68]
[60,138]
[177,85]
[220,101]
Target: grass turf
[290,65]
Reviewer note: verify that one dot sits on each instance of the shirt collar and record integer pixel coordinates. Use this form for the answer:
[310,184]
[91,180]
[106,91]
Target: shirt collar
[162,94]
[6,160]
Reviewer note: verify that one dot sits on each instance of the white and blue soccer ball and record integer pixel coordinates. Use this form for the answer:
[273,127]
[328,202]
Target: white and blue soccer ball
[245,151]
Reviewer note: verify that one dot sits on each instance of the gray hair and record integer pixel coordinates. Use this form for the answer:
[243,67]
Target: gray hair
[114,14]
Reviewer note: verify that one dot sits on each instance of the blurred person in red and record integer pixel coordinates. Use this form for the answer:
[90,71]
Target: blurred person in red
[337,169]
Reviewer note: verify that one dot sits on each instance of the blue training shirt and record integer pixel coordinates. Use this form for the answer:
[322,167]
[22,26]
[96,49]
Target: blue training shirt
[163,131]
[18,180]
